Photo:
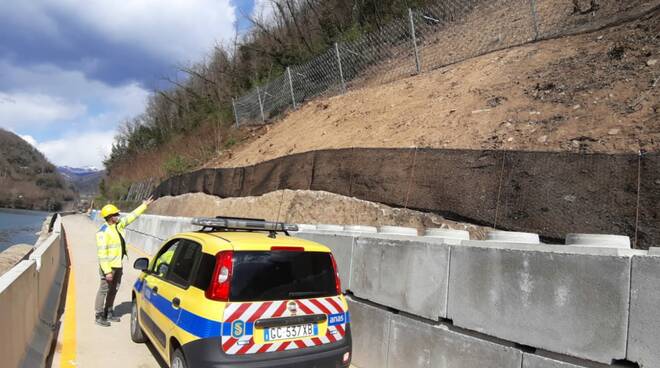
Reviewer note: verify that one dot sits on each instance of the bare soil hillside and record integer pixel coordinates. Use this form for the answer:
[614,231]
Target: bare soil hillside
[308,207]
[595,92]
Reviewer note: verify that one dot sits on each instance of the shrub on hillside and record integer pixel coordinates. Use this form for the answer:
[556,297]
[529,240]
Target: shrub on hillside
[177,165]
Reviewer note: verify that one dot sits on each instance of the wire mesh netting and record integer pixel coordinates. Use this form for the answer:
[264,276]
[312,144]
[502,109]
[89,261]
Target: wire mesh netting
[442,34]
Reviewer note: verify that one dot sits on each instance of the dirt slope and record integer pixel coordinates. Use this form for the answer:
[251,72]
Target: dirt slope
[307,207]
[595,92]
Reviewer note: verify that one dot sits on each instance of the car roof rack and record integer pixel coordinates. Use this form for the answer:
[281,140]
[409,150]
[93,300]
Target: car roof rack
[221,223]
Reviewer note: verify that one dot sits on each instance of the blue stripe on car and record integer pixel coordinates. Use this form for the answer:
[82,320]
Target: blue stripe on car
[206,328]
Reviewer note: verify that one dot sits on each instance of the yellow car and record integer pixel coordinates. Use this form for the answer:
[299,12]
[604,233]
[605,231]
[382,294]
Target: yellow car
[242,293]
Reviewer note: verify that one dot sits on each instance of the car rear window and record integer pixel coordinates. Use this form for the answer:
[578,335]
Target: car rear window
[281,275]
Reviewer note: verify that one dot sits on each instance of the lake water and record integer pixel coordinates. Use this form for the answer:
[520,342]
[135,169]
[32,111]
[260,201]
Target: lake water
[19,226]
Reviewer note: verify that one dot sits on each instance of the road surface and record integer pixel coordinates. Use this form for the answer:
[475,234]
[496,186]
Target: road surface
[82,343]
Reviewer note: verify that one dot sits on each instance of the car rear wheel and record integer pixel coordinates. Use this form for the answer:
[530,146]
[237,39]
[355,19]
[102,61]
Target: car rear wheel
[178,360]
[137,335]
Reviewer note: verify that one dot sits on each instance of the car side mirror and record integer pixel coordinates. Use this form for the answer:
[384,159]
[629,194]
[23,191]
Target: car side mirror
[141,264]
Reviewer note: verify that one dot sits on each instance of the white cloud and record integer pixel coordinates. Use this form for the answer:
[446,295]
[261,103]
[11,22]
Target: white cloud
[19,109]
[78,150]
[179,29]
[264,11]
[45,94]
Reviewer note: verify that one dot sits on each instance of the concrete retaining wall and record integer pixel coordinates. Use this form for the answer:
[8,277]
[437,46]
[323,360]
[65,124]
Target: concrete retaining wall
[644,329]
[574,304]
[418,301]
[29,299]
[410,276]
[385,339]
[18,311]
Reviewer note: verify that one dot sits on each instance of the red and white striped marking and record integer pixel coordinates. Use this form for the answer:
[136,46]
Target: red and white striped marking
[251,312]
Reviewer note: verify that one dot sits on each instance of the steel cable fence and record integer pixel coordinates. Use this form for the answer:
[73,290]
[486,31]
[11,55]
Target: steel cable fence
[442,34]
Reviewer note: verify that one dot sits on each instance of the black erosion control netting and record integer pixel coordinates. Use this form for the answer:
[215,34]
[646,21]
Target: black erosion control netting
[550,193]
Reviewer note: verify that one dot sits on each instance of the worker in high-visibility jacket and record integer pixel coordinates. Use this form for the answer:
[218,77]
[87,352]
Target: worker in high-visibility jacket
[111,249]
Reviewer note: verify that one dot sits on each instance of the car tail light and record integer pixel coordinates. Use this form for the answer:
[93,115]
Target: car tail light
[336,269]
[221,281]
[288,249]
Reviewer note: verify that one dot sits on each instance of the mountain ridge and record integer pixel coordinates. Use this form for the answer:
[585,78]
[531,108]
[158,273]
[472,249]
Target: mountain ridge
[84,179]
[28,180]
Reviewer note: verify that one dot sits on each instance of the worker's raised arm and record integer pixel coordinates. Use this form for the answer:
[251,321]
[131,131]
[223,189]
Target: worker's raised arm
[125,221]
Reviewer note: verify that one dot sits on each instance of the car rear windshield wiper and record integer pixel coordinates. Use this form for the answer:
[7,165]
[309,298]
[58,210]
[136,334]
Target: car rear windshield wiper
[306,293]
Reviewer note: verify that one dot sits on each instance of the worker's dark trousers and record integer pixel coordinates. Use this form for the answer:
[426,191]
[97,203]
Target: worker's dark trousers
[105,297]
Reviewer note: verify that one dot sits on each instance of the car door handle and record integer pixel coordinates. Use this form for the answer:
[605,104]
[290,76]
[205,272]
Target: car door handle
[155,290]
[176,303]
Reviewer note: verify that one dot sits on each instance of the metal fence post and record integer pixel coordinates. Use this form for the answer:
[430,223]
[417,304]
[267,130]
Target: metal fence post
[535,19]
[414,39]
[293,95]
[233,103]
[341,70]
[261,105]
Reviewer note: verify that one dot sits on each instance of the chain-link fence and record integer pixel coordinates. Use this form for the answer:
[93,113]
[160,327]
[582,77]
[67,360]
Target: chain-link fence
[429,38]
[140,191]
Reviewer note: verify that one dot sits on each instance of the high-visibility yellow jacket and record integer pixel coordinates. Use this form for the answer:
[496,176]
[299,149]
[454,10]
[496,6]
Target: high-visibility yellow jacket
[110,248]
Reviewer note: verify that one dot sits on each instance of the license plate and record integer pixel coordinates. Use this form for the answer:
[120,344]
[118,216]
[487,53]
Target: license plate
[290,332]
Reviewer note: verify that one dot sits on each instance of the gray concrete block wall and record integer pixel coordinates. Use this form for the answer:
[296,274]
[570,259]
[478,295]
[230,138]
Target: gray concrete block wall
[410,276]
[573,304]
[538,361]
[384,339]
[644,329]
[18,311]
[437,346]
[370,328]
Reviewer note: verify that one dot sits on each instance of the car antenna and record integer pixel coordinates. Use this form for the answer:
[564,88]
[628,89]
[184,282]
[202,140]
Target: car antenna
[272,234]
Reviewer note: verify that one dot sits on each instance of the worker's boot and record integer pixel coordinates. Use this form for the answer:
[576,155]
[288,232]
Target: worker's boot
[102,320]
[111,317]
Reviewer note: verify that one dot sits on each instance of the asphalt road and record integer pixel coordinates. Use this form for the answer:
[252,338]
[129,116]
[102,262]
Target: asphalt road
[82,343]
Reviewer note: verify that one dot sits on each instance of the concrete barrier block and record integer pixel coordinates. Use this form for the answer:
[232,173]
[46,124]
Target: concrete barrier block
[152,245]
[537,361]
[39,346]
[342,249]
[644,330]
[18,311]
[51,272]
[513,237]
[569,303]
[406,275]
[145,224]
[398,230]
[130,237]
[147,245]
[416,344]
[370,328]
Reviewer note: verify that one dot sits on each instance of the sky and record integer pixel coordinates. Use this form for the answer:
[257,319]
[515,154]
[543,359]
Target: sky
[72,70]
